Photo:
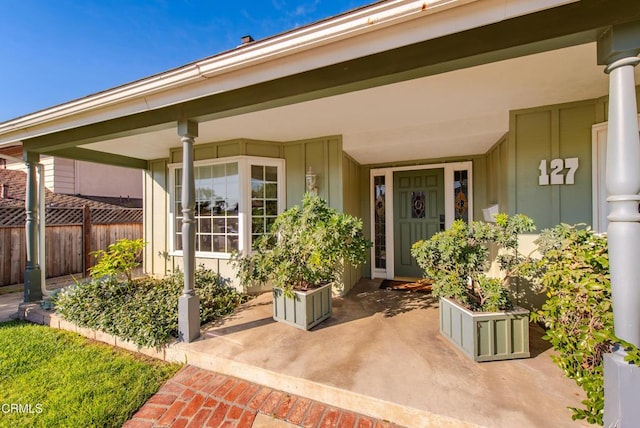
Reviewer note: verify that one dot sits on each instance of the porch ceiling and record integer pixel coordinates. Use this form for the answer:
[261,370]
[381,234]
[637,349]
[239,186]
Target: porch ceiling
[459,113]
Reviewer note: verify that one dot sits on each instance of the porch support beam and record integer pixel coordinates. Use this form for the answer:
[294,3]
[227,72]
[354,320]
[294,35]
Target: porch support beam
[32,274]
[618,49]
[188,303]
[104,158]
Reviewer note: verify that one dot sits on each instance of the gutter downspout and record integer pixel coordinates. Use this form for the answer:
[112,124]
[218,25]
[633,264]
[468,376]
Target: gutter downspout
[41,221]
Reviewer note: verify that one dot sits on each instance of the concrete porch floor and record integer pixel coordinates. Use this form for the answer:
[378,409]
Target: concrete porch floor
[381,354]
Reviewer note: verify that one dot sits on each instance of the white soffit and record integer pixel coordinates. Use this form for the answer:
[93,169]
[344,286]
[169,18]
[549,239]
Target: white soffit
[459,113]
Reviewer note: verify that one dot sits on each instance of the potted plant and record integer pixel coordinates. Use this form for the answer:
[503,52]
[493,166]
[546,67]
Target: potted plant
[476,311]
[302,255]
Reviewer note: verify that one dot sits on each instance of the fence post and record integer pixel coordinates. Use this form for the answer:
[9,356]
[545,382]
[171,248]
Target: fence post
[86,240]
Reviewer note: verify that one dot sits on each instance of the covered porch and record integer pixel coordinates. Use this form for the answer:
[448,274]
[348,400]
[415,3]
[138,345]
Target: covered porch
[380,355]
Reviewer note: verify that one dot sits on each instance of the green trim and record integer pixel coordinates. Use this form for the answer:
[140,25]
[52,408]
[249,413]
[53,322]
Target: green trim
[619,41]
[95,156]
[227,148]
[30,157]
[418,162]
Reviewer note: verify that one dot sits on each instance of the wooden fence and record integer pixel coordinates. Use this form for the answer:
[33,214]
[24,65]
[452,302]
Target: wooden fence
[71,234]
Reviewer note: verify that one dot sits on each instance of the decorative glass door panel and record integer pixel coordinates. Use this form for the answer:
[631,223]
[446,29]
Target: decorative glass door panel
[380,204]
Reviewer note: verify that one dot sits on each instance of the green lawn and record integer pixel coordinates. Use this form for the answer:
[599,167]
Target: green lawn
[55,378]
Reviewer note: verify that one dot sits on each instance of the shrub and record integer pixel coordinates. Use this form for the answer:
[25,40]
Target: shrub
[574,273]
[120,259]
[144,311]
[305,248]
[457,260]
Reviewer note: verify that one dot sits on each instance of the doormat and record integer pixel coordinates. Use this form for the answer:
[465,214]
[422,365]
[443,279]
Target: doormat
[422,286]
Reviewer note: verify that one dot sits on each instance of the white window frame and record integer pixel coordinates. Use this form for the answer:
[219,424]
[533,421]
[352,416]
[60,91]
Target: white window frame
[599,135]
[244,203]
[449,212]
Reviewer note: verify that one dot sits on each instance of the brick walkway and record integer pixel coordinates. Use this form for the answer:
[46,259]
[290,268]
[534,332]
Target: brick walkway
[199,398]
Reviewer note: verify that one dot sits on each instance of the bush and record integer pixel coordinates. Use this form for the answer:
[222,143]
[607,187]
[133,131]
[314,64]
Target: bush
[574,273]
[457,260]
[144,311]
[305,248]
[120,259]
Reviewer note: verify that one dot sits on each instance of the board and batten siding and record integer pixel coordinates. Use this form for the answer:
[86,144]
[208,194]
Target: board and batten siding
[547,133]
[324,156]
[351,181]
[491,171]
[553,132]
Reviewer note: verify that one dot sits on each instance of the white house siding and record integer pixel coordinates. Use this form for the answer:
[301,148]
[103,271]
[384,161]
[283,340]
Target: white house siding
[70,177]
[103,180]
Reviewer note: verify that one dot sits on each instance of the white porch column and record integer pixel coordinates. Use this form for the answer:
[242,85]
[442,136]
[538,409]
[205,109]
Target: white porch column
[188,303]
[618,49]
[32,278]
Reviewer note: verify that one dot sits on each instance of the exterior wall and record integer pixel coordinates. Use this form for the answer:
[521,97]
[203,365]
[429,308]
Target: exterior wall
[546,133]
[496,189]
[156,227]
[351,179]
[93,179]
[71,177]
[551,132]
[60,175]
[324,155]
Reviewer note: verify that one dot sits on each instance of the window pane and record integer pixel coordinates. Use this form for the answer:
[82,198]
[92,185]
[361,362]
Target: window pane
[257,207]
[461,195]
[232,207]
[271,190]
[232,244]
[204,225]
[257,189]
[204,243]
[219,244]
[217,197]
[218,171]
[257,172]
[257,225]
[271,208]
[218,225]
[271,173]
[270,221]
[232,170]
[232,225]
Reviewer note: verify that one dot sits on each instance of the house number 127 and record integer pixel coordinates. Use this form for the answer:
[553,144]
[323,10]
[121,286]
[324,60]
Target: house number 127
[557,175]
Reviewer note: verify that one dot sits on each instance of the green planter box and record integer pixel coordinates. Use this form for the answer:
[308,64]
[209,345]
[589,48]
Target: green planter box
[306,310]
[486,336]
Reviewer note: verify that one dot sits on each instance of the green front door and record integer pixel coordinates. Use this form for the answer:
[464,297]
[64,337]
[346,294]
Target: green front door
[418,213]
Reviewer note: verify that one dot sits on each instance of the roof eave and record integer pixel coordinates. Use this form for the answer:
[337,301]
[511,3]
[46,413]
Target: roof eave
[364,20]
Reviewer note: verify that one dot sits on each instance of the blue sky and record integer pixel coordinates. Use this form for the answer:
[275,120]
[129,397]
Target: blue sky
[53,51]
